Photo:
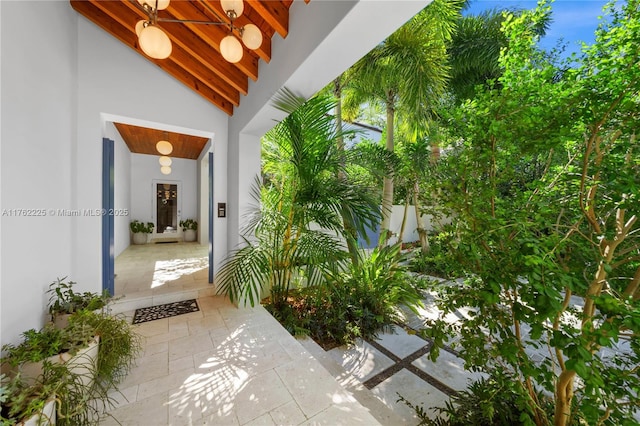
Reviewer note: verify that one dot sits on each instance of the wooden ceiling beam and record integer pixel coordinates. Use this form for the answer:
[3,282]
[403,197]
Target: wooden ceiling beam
[213,34]
[122,33]
[196,60]
[196,47]
[214,81]
[274,13]
[197,86]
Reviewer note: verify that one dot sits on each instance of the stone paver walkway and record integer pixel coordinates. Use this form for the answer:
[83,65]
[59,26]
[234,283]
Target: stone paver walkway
[228,366]
[397,364]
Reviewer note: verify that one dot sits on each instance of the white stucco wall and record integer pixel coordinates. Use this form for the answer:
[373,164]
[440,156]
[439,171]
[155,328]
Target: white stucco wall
[117,84]
[411,227]
[38,138]
[122,188]
[64,79]
[145,170]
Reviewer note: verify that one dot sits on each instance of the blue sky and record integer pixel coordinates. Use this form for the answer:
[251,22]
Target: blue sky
[573,20]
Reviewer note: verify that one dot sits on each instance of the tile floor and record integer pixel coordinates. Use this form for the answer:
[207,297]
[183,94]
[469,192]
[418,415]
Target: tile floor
[223,364]
[154,274]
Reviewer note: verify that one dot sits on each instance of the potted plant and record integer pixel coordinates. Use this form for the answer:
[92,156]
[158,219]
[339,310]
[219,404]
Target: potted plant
[64,301]
[119,344]
[57,396]
[76,346]
[87,369]
[189,227]
[28,405]
[140,231]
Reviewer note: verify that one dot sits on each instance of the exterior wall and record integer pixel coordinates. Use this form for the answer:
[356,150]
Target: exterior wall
[145,169]
[117,84]
[410,231]
[38,116]
[122,188]
[64,80]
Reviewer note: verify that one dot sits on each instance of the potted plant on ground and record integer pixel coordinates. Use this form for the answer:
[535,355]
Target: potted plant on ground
[76,346]
[88,371]
[119,344]
[64,301]
[24,404]
[189,227]
[140,231]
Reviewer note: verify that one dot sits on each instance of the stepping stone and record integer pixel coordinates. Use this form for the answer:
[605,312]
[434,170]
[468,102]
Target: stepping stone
[361,360]
[448,369]
[412,388]
[400,343]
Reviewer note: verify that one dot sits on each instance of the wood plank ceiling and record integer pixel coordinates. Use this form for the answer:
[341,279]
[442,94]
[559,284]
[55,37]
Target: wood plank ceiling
[196,60]
[142,140]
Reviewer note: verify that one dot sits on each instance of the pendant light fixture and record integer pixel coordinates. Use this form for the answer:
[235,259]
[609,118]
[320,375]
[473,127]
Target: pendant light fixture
[164,147]
[165,161]
[156,44]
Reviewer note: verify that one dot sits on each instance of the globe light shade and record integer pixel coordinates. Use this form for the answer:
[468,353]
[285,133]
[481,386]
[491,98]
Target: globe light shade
[236,5]
[231,49]
[165,170]
[164,147]
[165,161]
[140,27]
[252,36]
[162,4]
[154,42]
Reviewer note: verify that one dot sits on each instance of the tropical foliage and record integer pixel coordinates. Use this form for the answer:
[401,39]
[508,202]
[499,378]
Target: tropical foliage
[543,184]
[406,73]
[297,234]
[357,302]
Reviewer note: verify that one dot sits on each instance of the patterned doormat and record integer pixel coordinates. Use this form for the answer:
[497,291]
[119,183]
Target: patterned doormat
[165,311]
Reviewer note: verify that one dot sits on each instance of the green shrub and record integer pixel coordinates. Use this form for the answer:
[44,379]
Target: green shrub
[494,401]
[189,224]
[356,303]
[439,261]
[64,300]
[119,343]
[146,228]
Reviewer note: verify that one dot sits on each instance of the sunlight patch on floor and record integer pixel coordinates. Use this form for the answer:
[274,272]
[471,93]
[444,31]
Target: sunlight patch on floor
[166,271]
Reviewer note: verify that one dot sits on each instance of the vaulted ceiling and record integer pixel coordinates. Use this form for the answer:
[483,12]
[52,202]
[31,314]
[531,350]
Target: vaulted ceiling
[195,59]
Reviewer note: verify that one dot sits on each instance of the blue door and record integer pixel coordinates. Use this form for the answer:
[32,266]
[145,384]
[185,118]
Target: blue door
[211,208]
[108,250]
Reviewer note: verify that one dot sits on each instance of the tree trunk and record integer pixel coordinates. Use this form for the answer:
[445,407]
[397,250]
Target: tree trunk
[351,234]
[387,192]
[404,220]
[563,397]
[422,231]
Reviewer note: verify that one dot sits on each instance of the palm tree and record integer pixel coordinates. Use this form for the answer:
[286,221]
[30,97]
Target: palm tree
[406,73]
[475,47]
[296,234]
[416,160]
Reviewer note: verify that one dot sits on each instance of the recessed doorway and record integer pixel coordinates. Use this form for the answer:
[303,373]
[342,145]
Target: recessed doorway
[166,208]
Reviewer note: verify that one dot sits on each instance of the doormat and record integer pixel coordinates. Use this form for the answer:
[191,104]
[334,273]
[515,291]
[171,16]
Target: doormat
[165,311]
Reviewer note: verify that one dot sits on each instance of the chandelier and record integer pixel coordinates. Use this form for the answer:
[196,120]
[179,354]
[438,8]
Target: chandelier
[156,44]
